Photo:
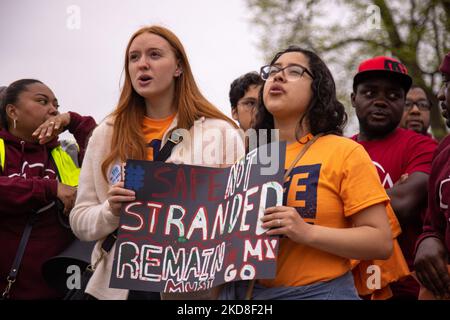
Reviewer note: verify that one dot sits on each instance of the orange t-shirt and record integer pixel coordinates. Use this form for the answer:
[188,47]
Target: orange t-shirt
[334,180]
[154,130]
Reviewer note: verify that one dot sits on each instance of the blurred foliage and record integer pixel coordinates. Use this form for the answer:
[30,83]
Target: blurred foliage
[344,32]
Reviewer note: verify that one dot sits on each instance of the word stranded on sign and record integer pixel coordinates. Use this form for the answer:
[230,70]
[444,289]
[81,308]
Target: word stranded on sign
[232,212]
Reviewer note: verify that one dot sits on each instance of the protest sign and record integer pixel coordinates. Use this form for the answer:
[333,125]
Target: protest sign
[192,228]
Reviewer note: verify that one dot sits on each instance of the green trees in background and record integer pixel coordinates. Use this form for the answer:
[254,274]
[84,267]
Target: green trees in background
[345,32]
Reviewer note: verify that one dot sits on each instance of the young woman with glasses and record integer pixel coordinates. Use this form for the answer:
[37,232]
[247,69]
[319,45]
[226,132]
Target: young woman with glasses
[335,206]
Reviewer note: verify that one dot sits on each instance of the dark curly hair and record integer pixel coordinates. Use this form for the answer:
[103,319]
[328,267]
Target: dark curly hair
[325,114]
[240,86]
[10,95]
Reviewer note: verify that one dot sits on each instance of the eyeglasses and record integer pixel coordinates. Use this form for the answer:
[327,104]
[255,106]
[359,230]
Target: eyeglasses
[423,105]
[292,72]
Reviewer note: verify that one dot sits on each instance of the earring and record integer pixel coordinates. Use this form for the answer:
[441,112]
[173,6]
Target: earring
[15,123]
[178,73]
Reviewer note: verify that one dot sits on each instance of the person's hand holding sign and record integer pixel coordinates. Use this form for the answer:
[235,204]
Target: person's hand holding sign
[370,224]
[117,194]
[286,221]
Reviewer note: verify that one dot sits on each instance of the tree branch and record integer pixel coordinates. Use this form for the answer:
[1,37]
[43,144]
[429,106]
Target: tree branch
[437,46]
[421,30]
[446,6]
[344,42]
[390,24]
[413,21]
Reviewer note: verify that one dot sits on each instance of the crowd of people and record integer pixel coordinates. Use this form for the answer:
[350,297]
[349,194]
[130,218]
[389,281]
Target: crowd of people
[378,198]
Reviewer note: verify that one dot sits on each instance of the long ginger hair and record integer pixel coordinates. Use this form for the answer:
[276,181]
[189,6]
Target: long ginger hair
[127,139]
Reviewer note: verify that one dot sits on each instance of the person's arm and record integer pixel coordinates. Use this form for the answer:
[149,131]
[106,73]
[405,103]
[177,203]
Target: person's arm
[92,217]
[408,198]
[431,255]
[369,238]
[27,194]
[80,126]
[364,203]
[430,265]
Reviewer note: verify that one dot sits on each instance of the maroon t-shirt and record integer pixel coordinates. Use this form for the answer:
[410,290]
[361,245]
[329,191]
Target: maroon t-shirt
[403,151]
[437,219]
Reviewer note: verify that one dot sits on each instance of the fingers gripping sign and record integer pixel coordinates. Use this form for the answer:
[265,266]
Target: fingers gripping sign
[117,194]
[286,221]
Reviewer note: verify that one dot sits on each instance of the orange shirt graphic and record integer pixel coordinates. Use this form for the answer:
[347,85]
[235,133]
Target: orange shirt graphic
[334,180]
[154,130]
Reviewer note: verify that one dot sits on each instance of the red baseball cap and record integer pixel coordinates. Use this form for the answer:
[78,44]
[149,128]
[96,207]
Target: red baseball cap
[383,67]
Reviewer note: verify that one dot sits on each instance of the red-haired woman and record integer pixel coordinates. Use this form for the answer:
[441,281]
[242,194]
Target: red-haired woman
[159,95]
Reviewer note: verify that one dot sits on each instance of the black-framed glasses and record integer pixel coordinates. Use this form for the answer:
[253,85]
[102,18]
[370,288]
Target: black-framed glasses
[292,72]
[423,105]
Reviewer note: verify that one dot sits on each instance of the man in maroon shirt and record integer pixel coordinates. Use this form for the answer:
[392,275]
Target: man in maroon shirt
[433,245]
[379,91]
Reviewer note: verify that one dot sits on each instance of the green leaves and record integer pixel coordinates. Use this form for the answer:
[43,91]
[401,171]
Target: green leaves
[344,32]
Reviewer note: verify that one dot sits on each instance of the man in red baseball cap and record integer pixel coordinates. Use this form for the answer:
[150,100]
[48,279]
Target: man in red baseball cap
[433,246]
[383,67]
[379,93]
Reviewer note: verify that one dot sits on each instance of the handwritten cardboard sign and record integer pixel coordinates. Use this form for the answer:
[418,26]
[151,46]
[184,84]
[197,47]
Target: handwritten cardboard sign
[192,228]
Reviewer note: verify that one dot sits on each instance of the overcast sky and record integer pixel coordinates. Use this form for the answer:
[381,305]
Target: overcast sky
[41,39]
[77,47]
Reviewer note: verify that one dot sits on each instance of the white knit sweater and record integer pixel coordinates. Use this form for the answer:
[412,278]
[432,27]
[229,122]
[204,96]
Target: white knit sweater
[92,219]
